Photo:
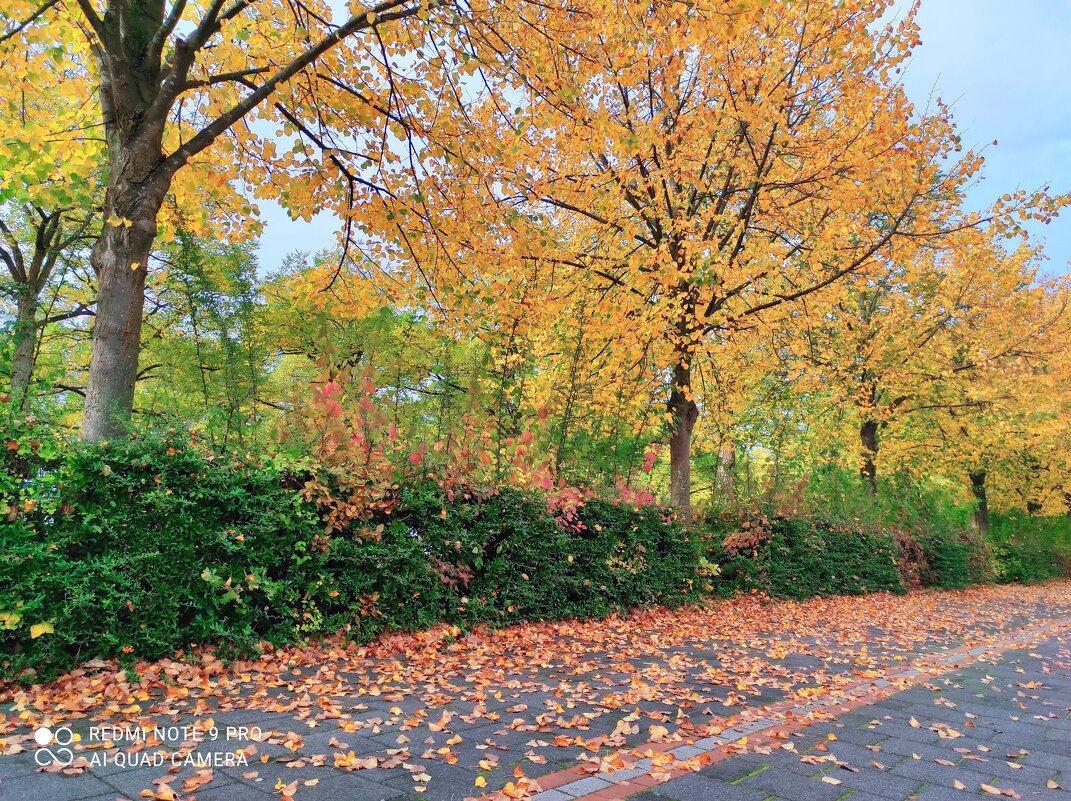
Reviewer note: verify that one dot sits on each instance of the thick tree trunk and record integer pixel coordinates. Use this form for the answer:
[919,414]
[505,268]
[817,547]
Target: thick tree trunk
[868,439]
[980,515]
[25,345]
[120,257]
[725,479]
[685,413]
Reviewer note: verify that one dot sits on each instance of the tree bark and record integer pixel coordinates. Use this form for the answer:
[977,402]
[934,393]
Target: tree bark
[685,413]
[25,345]
[980,515]
[868,438]
[726,473]
[120,256]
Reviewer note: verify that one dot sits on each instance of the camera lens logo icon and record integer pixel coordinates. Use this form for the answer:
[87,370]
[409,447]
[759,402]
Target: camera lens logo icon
[47,755]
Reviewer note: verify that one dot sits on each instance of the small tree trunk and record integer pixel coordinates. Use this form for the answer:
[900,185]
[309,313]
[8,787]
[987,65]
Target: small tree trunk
[121,257]
[980,515]
[868,438]
[685,413]
[725,477]
[25,344]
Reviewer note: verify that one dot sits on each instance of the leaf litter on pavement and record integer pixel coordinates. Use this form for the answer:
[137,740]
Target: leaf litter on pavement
[515,703]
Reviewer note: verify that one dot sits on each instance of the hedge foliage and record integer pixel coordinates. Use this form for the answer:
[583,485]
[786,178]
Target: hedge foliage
[1030,549]
[146,547]
[800,558]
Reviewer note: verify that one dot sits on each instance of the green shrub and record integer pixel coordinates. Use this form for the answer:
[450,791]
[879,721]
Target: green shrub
[145,547]
[801,558]
[504,558]
[952,559]
[1030,549]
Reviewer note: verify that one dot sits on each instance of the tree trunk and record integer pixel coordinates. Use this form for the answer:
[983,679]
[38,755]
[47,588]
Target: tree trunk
[726,473]
[25,345]
[868,438]
[980,515]
[120,257]
[685,413]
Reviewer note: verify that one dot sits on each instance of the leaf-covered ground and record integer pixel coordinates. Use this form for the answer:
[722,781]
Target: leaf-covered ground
[446,714]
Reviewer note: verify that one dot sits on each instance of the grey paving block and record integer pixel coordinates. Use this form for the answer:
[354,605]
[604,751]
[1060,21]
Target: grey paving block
[737,767]
[232,792]
[696,787]
[939,749]
[331,785]
[1049,761]
[788,786]
[932,773]
[131,781]
[591,784]
[939,793]
[54,787]
[17,765]
[551,795]
[449,781]
[883,784]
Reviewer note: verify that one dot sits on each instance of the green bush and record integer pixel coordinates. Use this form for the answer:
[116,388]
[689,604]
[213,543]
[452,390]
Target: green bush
[504,558]
[145,547]
[1030,549]
[801,558]
[952,559]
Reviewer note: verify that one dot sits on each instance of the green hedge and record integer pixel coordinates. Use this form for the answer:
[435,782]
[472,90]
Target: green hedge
[1030,549]
[801,558]
[146,547]
[952,560]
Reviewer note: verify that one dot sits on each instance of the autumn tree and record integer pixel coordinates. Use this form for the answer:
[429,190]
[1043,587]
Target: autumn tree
[1009,446]
[170,80]
[36,246]
[706,164]
[49,183]
[926,334]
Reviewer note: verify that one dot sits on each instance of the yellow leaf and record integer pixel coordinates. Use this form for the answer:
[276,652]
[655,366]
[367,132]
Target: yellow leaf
[8,620]
[481,781]
[37,629]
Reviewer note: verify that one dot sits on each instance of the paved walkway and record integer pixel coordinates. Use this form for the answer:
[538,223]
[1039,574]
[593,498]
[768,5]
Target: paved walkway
[881,698]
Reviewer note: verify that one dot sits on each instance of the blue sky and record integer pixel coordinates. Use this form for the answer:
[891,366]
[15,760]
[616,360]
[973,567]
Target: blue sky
[1004,66]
